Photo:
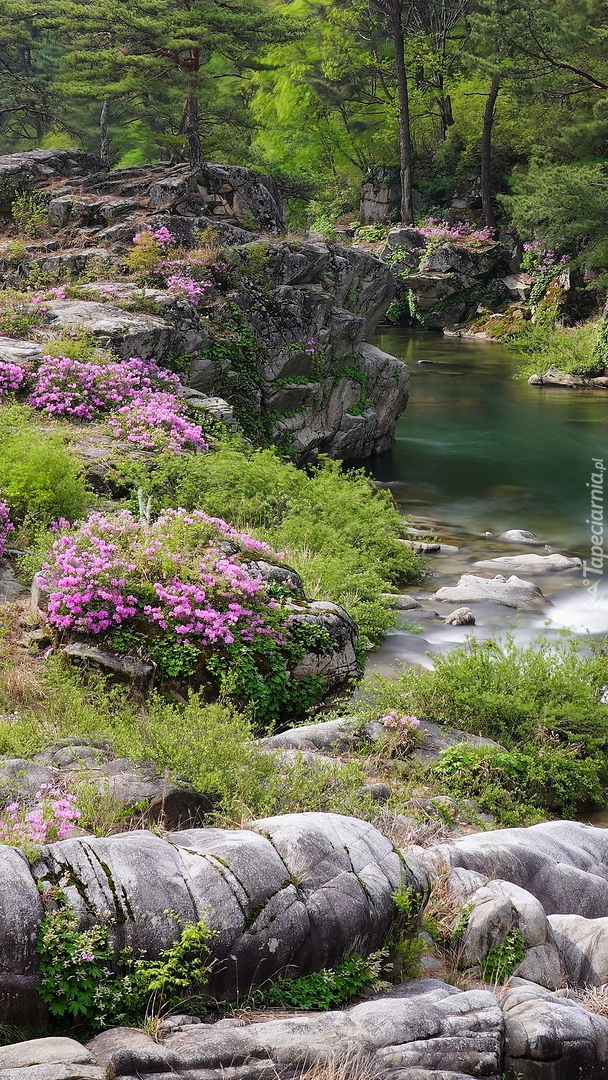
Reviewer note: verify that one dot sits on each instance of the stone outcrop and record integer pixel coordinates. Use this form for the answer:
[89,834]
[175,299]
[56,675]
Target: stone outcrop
[444,283]
[313,385]
[423,1030]
[529,881]
[291,893]
[531,564]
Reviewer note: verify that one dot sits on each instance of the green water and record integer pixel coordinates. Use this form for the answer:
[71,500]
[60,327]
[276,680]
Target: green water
[478,449]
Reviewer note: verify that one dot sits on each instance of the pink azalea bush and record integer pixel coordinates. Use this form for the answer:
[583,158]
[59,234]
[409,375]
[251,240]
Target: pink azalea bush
[161,236]
[402,732]
[12,377]
[6,525]
[49,819]
[186,288]
[86,391]
[157,421]
[173,575]
[185,593]
[443,231]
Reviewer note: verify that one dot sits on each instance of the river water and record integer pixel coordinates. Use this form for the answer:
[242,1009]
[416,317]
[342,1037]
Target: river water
[479,452]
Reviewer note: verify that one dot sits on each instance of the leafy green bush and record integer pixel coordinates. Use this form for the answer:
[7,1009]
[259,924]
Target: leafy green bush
[501,960]
[40,478]
[339,533]
[326,989]
[517,785]
[500,690]
[81,980]
[30,213]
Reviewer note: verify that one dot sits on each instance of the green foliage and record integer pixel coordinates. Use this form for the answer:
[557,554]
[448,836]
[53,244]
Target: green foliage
[82,980]
[326,989]
[18,317]
[547,205]
[541,703]
[143,258]
[503,958]
[30,214]
[80,346]
[577,350]
[40,478]
[339,533]
[518,784]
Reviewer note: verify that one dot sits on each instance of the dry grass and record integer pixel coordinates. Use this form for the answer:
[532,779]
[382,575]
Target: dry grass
[594,998]
[404,832]
[353,1066]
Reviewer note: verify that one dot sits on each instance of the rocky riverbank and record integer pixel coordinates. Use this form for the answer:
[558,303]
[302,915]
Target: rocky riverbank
[281,334]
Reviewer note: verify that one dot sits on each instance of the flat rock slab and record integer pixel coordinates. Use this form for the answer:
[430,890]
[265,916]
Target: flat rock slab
[512,592]
[530,564]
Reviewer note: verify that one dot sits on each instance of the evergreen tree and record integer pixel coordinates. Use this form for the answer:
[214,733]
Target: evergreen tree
[125,51]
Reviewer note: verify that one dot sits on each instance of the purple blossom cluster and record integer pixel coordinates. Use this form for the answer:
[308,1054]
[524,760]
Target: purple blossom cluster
[86,391]
[435,229]
[402,731]
[539,259]
[162,236]
[171,576]
[12,377]
[6,525]
[157,421]
[50,819]
[186,288]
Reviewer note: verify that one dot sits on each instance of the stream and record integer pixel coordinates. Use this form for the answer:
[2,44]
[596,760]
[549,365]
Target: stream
[478,452]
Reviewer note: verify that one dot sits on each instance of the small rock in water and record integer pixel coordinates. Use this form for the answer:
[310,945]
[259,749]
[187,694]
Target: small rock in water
[519,536]
[533,564]
[401,602]
[462,616]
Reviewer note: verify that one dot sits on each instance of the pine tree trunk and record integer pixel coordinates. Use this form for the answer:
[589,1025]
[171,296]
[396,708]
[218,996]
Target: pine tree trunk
[486,155]
[405,138]
[104,135]
[192,131]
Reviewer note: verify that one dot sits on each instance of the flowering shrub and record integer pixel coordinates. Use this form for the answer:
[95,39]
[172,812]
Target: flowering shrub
[539,260]
[402,732]
[185,288]
[12,377]
[438,231]
[86,391]
[50,819]
[157,421]
[182,593]
[173,574]
[161,236]
[6,525]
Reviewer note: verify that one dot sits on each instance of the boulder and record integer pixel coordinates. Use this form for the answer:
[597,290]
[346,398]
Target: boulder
[465,260]
[462,616]
[337,665]
[564,864]
[520,536]
[512,592]
[127,333]
[530,564]
[125,668]
[551,1038]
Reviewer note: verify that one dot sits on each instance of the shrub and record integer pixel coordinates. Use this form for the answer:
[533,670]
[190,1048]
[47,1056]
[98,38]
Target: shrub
[81,979]
[329,988]
[40,479]
[156,421]
[339,533]
[86,391]
[48,820]
[30,214]
[171,592]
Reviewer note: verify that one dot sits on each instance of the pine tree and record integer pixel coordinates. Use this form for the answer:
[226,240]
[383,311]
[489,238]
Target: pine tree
[121,50]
